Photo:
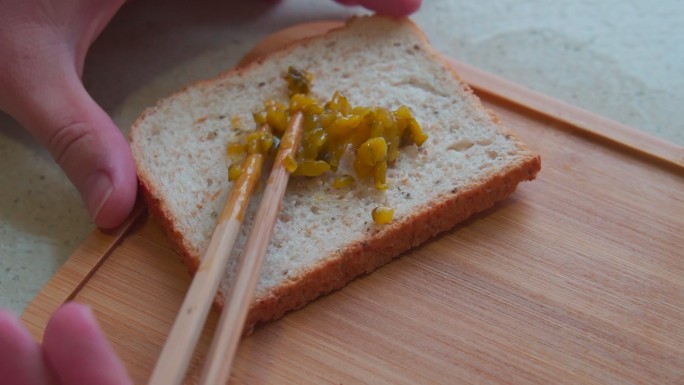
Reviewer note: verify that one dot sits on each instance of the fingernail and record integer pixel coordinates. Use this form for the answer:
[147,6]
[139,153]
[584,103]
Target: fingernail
[87,312]
[84,310]
[97,191]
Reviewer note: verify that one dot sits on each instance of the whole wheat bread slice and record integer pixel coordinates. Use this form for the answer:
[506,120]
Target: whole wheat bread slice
[325,237]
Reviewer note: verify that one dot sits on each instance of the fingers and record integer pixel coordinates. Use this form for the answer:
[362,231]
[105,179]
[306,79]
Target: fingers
[74,351]
[21,361]
[384,7]
[78,352]
[88,146]
[40,86]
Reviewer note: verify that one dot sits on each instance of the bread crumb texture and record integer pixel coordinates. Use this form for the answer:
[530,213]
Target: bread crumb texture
[325,236]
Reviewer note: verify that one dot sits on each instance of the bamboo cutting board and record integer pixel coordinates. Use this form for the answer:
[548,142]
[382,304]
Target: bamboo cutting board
[577,278]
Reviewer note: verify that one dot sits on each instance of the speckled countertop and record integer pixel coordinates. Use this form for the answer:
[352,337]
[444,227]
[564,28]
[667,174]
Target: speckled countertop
[621,59]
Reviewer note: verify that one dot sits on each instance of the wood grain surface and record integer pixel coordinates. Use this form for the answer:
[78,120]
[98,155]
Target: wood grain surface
[577,278]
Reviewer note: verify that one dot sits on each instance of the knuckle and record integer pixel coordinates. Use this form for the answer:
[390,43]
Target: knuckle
[68,139]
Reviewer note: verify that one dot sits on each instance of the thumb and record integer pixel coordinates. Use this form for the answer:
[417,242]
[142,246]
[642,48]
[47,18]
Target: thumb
[83,140]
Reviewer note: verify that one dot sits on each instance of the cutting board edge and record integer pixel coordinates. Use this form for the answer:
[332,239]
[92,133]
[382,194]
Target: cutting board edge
[597,126]
[76,271]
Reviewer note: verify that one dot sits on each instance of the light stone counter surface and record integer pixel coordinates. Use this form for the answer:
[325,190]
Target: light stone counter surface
[621,59]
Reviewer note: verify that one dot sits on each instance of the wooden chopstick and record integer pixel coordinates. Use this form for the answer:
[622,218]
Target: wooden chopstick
[230,326]
[175,356]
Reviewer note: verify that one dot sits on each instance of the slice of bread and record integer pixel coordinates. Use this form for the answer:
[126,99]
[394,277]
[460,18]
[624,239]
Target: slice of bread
[324,236]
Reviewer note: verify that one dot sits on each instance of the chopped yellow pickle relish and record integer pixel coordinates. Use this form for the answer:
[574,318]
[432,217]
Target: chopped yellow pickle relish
[343,181]
[256,142]
[290,163]
[234,172]
[308,167]
[235,148]
[374,135]
[298,81]
[382,215]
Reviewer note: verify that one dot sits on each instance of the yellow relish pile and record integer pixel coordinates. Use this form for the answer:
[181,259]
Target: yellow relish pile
[373,134]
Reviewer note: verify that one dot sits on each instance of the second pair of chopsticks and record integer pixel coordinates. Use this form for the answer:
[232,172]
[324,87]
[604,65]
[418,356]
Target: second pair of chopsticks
[175,356]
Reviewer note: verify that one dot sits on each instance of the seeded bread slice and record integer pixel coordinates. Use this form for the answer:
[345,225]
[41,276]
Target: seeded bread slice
[325,237]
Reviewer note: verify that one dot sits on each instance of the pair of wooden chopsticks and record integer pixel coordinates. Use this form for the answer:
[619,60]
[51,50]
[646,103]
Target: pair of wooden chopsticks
[175,356]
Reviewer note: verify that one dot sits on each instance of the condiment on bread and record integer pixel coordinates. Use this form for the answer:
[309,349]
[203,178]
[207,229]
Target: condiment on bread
[374,135]
[382,215]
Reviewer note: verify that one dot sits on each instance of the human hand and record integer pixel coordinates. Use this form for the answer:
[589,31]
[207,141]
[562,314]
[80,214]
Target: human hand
[74,351]
[44,44]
